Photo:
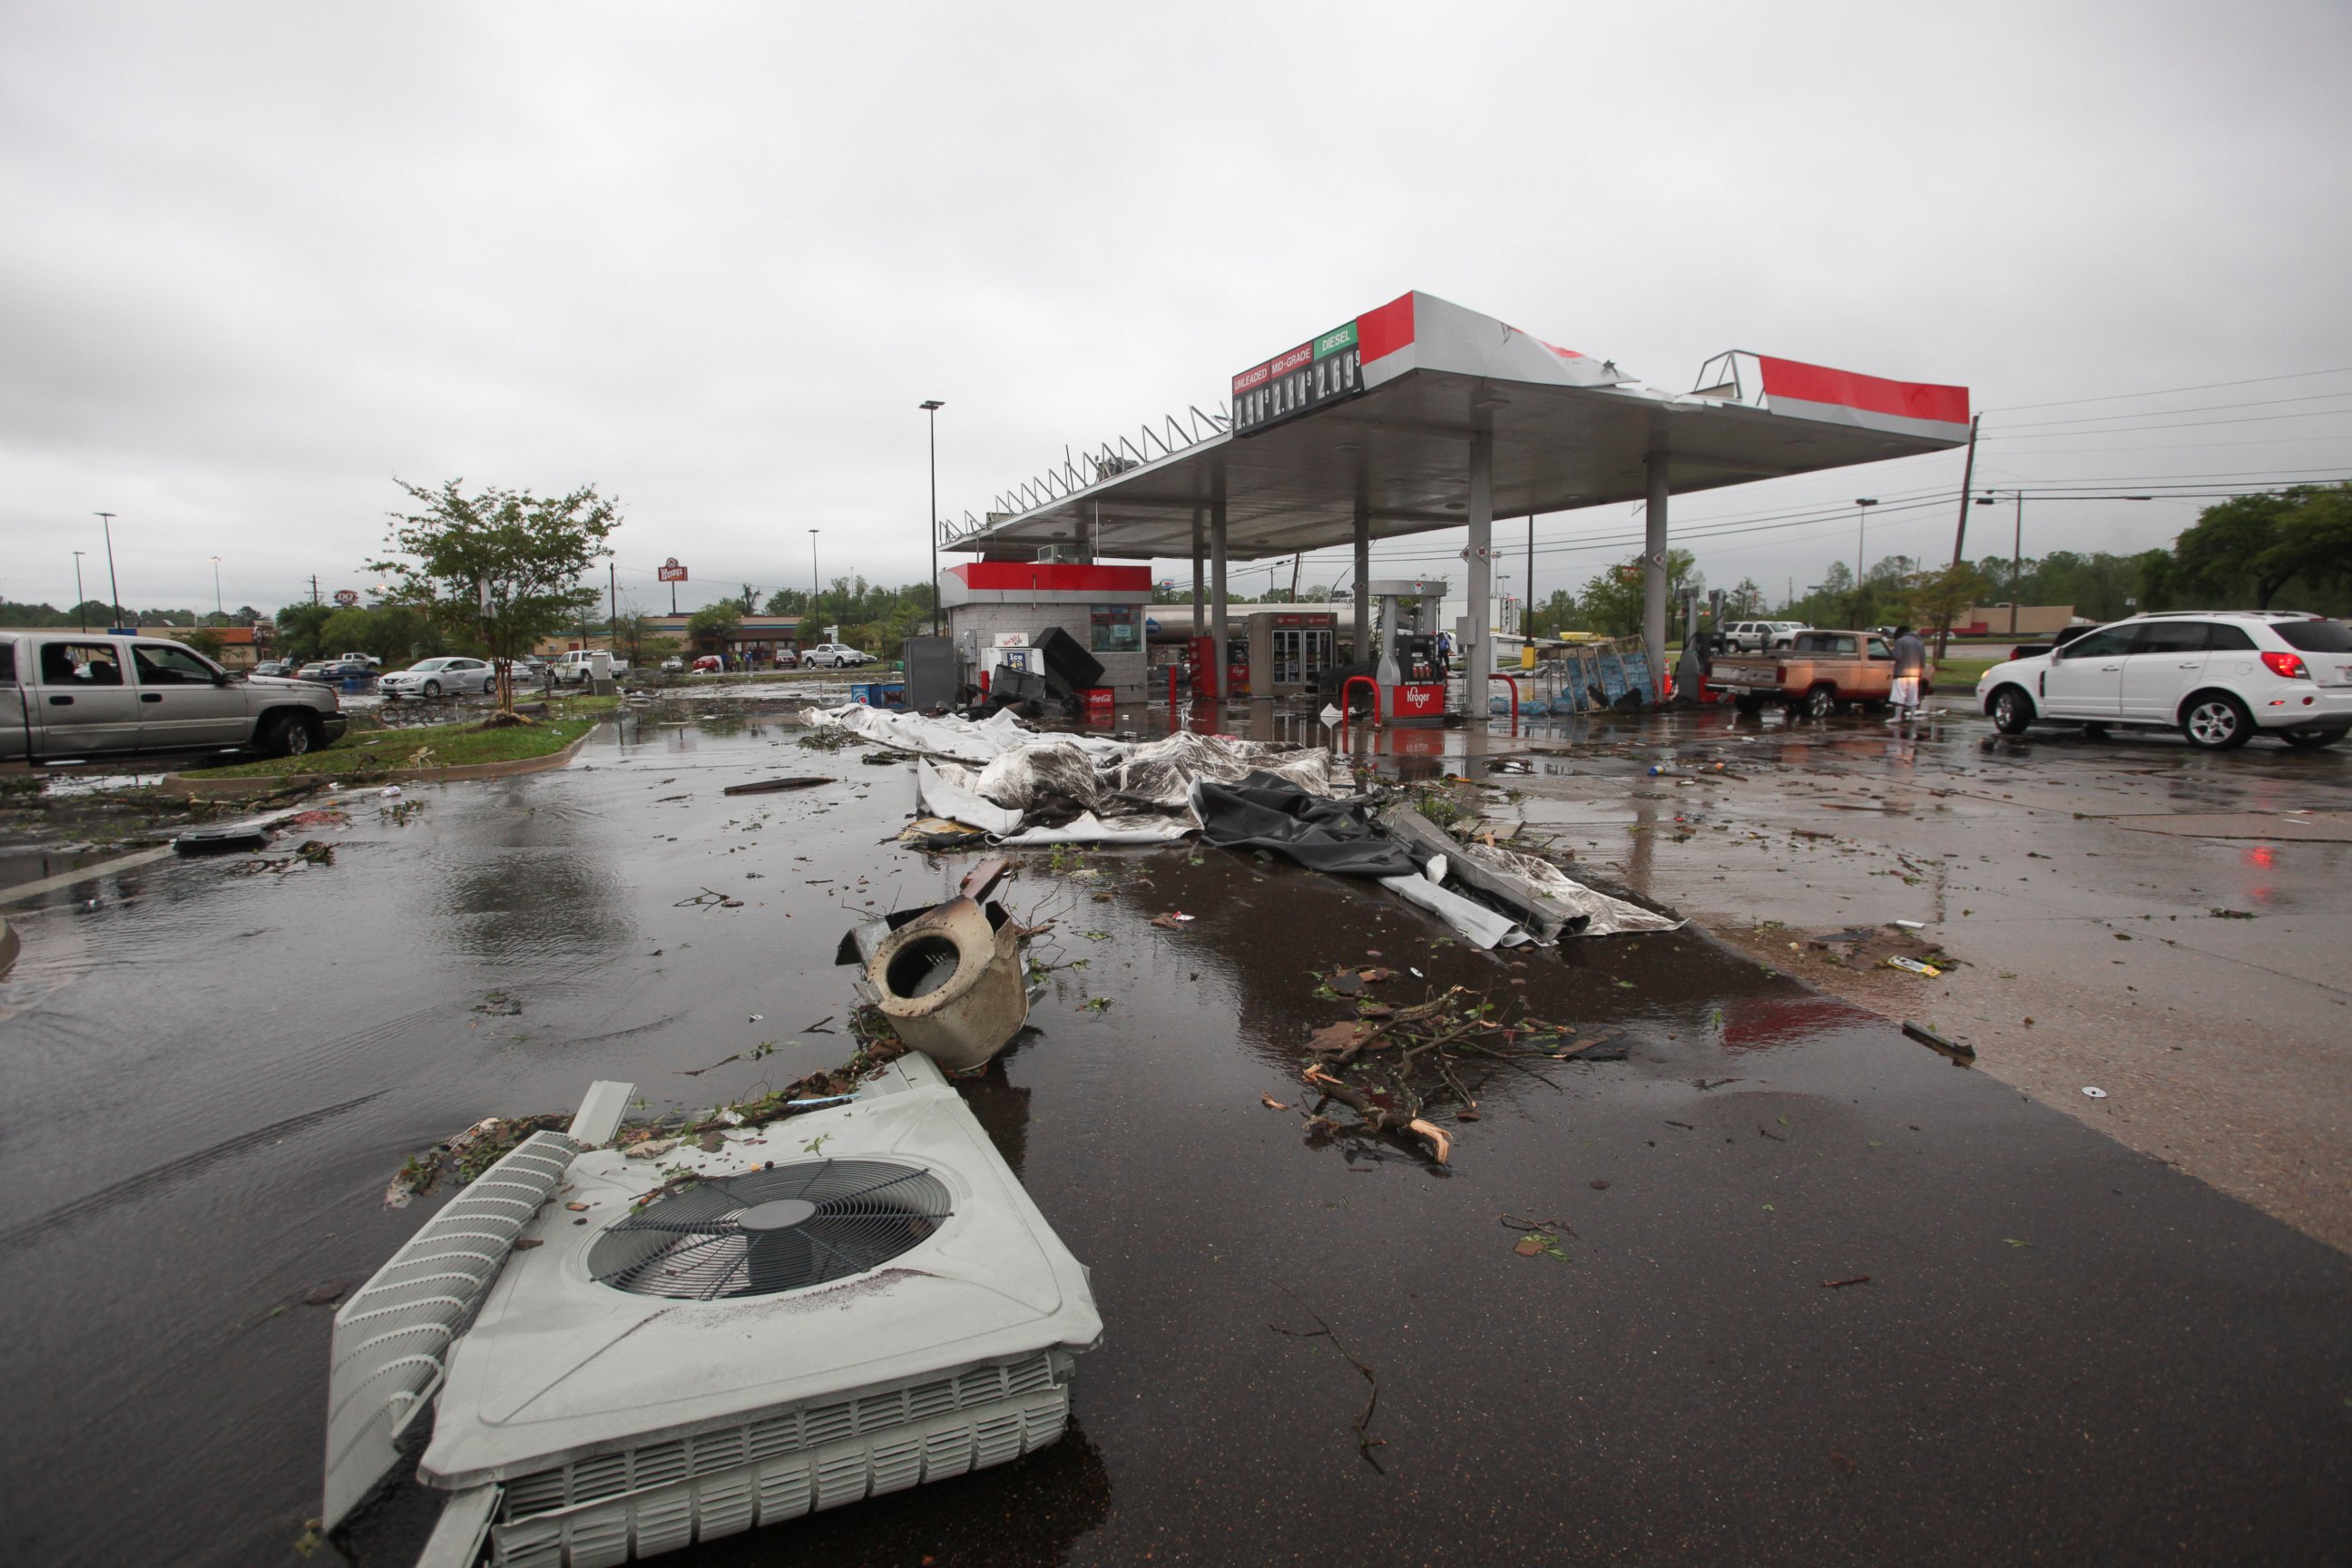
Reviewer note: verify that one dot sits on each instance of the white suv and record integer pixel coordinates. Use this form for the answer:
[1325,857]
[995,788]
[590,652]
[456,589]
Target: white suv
[838,655]
[1761,636]
[2219,676]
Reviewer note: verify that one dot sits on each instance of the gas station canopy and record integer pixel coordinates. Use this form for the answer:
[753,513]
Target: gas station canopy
[1376,418]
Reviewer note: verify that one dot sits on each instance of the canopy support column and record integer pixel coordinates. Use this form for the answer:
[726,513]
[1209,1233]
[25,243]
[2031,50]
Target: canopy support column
[1363,571]
[1479,662]
[1200,592]
[1217,618]
[1653,576]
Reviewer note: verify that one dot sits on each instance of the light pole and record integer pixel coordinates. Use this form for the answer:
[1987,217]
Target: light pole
[1862,505]
[221,614]
[81,620]
[813,577]
[113,610]
[932,406]
[2017,538]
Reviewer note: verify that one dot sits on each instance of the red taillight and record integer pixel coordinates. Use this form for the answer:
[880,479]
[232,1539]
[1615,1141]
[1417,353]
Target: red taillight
[1779,675]
[2287,666]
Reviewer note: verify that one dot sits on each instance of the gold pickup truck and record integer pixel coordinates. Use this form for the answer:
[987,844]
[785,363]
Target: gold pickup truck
[1820,673]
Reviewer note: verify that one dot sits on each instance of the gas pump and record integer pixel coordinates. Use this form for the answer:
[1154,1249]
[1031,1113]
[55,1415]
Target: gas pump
[1410,678]
[1199,654]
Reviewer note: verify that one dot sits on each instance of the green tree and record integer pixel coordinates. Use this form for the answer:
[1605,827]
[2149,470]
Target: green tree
[1554,615]
[207,640]
[711,627]
[41,614]
[1612,601]
[298,626]
[1935,599]
[501,566]
[2314,540]
[1744,602]
[2231,558]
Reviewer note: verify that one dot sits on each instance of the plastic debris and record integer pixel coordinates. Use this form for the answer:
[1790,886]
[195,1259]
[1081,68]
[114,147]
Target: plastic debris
[2094,1093]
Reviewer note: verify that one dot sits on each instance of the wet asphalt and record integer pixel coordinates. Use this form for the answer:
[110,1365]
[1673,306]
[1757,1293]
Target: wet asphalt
[2065,1350]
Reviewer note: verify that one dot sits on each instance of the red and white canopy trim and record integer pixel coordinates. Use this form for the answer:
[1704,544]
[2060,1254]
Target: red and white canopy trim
[1800,391]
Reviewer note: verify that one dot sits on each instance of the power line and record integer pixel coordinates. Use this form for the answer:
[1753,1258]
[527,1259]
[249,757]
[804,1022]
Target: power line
[2170,391]
[2193,408]
[2184,425]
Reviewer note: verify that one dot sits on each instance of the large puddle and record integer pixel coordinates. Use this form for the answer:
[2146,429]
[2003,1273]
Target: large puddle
[210,1078]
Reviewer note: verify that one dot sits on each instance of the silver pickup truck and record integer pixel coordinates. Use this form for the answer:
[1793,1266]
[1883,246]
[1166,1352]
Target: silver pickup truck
[68,694]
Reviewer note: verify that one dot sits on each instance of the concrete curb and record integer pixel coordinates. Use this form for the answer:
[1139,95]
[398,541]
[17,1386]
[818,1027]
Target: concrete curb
[196,787]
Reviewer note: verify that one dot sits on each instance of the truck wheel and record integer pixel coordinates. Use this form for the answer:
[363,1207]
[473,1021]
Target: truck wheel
[289,735]
[2216,722]
[2013,710]
[1822,701]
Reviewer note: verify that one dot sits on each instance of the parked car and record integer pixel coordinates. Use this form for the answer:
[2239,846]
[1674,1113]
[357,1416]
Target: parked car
[672,665]
[365,660]
[710,664]
[529,670]
[332,671]
[282,668]
[2219,676]
[1819,673]
[574,667]
[450,675]
[1759,637]
[835,655]
[79,694]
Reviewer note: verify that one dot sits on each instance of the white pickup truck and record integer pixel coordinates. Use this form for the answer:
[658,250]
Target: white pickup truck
[574,667]
[80,694]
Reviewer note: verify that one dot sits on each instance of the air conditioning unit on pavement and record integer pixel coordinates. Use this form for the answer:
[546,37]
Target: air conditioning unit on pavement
[624,1357]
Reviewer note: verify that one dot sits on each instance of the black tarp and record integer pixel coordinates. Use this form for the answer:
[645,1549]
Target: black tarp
[1263,811]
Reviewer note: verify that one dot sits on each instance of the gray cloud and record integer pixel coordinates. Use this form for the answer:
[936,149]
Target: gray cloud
[262,259]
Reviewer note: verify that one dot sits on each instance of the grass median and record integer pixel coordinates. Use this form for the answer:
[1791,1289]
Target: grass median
[360,752]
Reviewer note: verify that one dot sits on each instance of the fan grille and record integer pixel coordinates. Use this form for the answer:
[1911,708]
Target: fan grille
[783,1229]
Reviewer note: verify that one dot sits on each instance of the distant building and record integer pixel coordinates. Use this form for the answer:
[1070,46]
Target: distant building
[2033,620]
[759,642]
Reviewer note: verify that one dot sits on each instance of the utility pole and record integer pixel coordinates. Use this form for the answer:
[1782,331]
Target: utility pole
[1960,534]
[314,587]
[115,609]
[612,603]
[812,581]
[80,618]
[217,611]
[2016,563]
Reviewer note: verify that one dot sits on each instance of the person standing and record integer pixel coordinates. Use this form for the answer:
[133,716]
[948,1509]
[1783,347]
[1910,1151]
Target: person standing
[1910,674]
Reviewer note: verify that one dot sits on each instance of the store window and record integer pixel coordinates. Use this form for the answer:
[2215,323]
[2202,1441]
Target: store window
[1117,628]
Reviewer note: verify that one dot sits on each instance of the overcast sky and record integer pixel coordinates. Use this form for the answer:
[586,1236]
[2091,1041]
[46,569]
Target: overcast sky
[258,260]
